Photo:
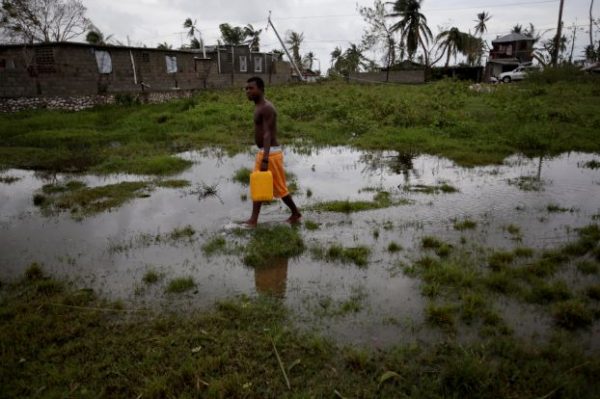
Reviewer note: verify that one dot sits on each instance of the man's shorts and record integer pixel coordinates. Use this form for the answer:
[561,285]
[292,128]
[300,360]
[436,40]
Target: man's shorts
[276,167]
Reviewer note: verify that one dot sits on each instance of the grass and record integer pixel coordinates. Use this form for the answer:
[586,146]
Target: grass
[151,277]
[394,247]
[86,201]
[267,243]
[572,315]
[527,183]
[9,179]
[310,225]
[173,183]
[555,208]
[435,189]
[443,118]
[214,245]
[179,233]
[358,255]
[593,164]
[441,248]
[588,267]
[53,334]
[466,224]
[242,176]
[380,200]
[180,285]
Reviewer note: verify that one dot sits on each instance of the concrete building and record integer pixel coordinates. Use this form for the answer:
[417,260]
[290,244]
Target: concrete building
[508,52]
[78,69]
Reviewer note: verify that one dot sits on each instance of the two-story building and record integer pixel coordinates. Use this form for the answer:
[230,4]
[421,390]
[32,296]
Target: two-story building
[508,52]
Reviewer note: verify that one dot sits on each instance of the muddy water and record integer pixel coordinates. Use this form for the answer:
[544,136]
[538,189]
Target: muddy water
[108,251]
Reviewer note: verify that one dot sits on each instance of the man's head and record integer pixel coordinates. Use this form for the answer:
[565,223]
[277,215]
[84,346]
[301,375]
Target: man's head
[255,88]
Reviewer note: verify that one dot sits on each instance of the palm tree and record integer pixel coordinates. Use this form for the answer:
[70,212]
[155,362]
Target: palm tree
[335,55]
[253,36]
[95,36]
[193,29]
[354,58]
[294,40]
[412,25]
[232,35]
[517,28]
[164,46]
[308,61]
[451,41]
[481,20]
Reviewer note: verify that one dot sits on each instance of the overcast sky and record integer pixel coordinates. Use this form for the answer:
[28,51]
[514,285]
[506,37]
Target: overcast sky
[325,23]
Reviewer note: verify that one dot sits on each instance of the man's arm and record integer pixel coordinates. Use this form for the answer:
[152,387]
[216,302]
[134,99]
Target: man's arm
[268,116]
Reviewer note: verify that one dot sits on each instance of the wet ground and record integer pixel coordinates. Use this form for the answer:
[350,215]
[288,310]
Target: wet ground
[376,305]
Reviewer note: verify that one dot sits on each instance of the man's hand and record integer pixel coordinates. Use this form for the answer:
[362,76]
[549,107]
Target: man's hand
[264,165]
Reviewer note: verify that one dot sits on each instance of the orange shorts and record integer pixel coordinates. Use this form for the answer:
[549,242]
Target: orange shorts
[276,167]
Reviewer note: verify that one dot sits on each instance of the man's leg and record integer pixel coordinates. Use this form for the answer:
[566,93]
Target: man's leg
[253,221]
[295,218]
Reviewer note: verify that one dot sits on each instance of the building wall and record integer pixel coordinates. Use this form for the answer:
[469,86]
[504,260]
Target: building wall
[416,76]
[67,70]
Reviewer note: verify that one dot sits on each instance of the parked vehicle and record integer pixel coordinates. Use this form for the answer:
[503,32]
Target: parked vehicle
[519,73]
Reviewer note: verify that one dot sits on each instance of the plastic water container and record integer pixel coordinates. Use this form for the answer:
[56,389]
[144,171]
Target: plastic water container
[261,186]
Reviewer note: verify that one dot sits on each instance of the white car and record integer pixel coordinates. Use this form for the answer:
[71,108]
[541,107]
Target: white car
[516,74]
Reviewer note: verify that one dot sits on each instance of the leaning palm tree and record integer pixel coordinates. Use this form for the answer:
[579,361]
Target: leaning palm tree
[451,42]
[253,36]
[95,36]
[193,30]
[354,58]
[335,55]
[412,26]
[308,60]
[481,20]
[294,40]
[232,35]
[518,28]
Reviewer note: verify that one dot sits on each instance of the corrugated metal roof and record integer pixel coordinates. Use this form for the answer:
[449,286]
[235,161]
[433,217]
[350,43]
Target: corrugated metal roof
[513,37]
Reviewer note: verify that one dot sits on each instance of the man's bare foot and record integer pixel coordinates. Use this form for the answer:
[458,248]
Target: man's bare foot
[251,223]
[294,219]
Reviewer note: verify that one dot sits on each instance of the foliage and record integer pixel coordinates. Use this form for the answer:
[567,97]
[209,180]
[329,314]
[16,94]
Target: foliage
[412,26]
[44,20]
[232,35]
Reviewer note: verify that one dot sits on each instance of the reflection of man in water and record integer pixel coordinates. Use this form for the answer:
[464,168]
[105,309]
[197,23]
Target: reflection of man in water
[271,279]
[270,156]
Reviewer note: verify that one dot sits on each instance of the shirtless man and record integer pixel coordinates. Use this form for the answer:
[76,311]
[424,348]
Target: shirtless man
[270,156]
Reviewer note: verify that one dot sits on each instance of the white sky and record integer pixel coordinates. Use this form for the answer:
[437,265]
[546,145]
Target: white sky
[325,23]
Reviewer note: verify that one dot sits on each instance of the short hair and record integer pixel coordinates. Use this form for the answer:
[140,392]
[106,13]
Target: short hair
[259,82]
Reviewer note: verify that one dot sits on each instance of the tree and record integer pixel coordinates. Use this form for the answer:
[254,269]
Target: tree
[195,42]
[232,35]
[253,36]
[308,60]
[95,36]
[294,40]
[335,55]
[481,20]
[164,46]
[412,26]
[451,43]
[43,20]
[379,34]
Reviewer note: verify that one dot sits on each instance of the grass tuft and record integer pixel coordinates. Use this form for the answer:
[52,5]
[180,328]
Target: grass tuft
[180,285]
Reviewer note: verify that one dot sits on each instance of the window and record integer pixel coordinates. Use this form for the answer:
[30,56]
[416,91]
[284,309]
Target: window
[103,61]
[258,64]
[145,57]
[44,59]
[243,64]
[171,61]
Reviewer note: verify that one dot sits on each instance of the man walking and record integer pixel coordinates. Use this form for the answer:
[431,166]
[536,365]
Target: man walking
[270,155]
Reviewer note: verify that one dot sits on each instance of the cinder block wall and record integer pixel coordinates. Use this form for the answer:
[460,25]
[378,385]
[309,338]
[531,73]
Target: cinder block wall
[417,76]
[70,70]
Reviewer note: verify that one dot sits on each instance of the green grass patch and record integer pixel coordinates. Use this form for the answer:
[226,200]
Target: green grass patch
[527,183]
[85,201]
[310,225]
[394,247]
[555,208]
[242,176]
[151,277]
[239,348]
[442,118]
[380,200]
[9,179]
[173,183]
[593,164]
[181,233]
[180,285]
[358,255]
[267,243]
[431,189]
[572,315]
[466,224]
[588,267]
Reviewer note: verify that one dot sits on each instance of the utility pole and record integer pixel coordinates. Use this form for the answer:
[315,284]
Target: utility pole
[558,35]
[285,49]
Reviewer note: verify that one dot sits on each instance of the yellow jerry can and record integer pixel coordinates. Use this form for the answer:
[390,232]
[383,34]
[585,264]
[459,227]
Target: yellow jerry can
[261,186]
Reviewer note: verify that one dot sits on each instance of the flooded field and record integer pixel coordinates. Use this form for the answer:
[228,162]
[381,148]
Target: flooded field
[134,251]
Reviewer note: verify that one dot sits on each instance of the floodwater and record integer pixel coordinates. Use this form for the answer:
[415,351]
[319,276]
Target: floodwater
[107,251]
